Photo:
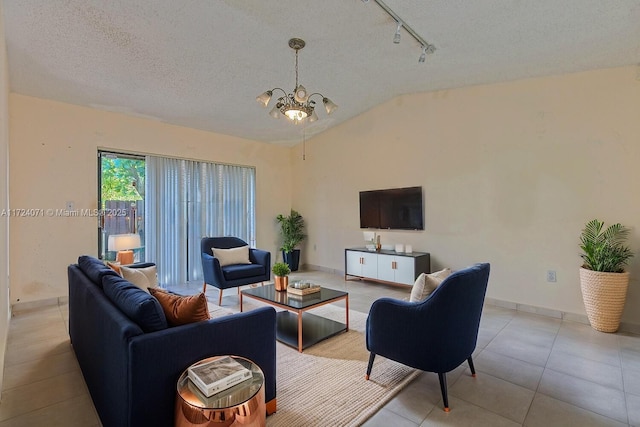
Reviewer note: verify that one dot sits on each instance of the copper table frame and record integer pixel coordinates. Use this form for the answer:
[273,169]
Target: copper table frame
[299,311]
[190,410]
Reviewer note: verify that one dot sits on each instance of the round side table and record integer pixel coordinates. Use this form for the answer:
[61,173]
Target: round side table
[241,405]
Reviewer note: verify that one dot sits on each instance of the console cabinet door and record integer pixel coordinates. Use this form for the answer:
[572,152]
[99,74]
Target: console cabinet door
[362,264]
[354,263]
[405,270]
[385,268]
[369,264]
[397,269]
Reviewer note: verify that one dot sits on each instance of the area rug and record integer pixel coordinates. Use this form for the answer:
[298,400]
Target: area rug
[325,385]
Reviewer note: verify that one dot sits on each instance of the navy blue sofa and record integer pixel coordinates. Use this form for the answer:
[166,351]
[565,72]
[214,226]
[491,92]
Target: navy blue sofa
[131,370]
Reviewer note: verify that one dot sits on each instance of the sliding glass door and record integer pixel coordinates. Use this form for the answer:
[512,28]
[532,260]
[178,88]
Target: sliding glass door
[121,198]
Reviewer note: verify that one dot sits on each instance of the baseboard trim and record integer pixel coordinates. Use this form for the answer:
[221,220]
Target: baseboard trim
[525,308]
[17,307]
[557,314]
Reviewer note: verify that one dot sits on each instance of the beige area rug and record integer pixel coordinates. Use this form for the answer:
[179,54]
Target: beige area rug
[325,386]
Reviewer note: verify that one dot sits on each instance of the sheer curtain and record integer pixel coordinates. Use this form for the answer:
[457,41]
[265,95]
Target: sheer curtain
[187,200]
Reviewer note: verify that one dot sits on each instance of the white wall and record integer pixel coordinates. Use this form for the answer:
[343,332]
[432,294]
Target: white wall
[53,157]
[4,197]
[511,173]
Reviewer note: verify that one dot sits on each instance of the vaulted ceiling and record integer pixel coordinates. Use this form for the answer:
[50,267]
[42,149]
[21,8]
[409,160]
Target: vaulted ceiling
[201,63]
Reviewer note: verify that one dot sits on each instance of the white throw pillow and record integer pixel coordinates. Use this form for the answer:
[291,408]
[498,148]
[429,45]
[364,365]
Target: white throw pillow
[143,278]
[427,283]
[232,256]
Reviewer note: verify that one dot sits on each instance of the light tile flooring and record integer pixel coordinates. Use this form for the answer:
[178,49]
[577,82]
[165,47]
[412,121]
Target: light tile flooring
[532,371]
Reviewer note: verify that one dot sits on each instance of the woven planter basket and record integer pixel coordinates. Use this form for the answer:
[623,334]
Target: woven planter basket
[604,295]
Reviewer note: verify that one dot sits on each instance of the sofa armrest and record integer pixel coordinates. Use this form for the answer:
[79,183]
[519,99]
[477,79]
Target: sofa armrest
[157,359]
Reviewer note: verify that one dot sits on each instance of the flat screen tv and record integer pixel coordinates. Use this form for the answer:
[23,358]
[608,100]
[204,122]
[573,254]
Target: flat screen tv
[395,209]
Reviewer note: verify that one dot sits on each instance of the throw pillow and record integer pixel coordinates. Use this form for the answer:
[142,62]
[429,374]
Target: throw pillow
[180,310]
[141,277]
[115,267]
[232,256]
[138,305]
[427,283]
[94,269]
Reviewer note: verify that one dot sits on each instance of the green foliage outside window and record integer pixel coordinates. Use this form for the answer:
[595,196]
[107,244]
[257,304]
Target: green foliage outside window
[122,179]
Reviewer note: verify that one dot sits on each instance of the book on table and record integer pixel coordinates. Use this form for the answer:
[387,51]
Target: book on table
[217,375]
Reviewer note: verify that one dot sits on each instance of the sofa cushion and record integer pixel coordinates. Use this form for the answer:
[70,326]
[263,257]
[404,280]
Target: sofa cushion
[143,278]
[94,269]
[240,271]
[180,310]
[232,256]
[137,304]
[427,283]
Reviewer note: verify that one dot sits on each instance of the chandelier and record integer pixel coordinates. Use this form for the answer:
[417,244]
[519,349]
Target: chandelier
[297,106]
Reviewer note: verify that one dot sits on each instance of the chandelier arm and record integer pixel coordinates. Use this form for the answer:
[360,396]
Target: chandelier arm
[278,88]
[316,93]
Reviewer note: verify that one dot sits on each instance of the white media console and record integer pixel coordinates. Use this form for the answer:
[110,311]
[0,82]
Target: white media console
[385,266]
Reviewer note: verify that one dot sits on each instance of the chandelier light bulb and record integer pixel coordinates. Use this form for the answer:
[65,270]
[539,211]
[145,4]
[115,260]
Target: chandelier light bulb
[301,94]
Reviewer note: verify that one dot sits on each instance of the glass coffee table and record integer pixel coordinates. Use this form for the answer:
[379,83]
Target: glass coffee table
[296,327]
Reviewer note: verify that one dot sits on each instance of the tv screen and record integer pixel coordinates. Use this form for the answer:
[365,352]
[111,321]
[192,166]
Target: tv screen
[396,209]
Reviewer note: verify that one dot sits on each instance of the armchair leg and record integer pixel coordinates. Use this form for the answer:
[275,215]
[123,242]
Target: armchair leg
[220,297]
[443,388]
[204,288]
[473,369]
[372,356]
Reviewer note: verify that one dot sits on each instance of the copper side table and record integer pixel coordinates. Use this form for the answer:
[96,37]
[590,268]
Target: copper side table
[240,405]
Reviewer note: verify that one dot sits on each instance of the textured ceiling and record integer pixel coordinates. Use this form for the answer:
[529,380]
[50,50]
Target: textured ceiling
[201,63]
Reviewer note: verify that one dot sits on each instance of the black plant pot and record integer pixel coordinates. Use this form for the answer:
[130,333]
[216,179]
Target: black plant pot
[292,259]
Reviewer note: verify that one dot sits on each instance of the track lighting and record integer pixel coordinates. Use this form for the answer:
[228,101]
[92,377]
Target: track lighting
[396,37]
[427,48]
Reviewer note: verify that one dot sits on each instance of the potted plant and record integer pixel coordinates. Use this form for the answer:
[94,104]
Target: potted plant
[281,275]
[603,280]
[292,232]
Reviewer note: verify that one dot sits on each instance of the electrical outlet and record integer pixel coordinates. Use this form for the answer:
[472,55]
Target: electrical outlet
[551,276]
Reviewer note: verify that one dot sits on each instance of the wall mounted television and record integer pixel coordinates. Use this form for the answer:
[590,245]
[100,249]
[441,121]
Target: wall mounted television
[394,209]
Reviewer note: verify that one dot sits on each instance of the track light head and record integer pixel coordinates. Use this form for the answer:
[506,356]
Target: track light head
[396,36]
[423,55]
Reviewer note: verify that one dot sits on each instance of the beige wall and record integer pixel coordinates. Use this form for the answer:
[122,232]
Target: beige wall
[53,150]
[511,172]
[4,196]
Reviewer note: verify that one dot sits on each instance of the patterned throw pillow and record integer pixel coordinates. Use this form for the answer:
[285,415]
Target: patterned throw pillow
[180,310]
[427,283]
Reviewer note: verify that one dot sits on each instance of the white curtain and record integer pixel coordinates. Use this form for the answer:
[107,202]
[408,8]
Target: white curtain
[188,200]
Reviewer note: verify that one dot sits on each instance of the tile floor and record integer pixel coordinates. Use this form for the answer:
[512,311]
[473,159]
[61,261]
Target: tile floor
[532,371]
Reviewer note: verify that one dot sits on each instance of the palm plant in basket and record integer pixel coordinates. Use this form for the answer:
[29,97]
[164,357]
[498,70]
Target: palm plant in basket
[603,280]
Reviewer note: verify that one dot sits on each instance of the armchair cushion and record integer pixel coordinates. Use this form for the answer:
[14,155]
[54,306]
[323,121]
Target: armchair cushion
[232,256]
[181,310]
[241,271]
[427,283]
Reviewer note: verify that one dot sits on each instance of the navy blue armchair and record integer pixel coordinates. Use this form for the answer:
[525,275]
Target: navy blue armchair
[434,335]
[236,275]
